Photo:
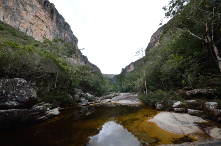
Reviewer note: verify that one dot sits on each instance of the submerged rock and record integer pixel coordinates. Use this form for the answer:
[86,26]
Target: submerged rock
[16,93]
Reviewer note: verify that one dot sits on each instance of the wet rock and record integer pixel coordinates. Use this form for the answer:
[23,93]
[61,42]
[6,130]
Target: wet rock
[211,105]
[194,112]
[204,142]
[179,109]
[16,93]
[110,96]
[53,112]
[106,101]
[214,132]
[200,92]
[84,102]
[37,113]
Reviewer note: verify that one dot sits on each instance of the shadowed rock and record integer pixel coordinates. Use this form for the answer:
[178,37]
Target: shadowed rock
[16,93]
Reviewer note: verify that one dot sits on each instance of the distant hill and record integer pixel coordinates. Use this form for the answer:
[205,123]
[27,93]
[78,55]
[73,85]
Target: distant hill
[110,77]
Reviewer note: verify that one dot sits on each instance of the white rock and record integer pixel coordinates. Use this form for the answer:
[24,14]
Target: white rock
[211,105]
[179,109]
[177,104]
[194,112]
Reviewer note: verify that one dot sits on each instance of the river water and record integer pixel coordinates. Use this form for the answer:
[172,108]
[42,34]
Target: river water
[104,125]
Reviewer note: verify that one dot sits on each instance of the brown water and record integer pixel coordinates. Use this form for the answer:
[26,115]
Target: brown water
[112,125]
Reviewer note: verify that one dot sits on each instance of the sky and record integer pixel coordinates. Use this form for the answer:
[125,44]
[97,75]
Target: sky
[112,31]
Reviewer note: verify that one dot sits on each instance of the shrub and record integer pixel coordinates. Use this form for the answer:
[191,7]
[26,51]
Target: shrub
[166,97]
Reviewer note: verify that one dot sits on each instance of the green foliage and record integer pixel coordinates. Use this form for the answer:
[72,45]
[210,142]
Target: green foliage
[181,59]
[161,96]
[45,66]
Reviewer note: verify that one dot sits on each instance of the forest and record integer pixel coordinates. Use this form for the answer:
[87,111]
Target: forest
[187,57]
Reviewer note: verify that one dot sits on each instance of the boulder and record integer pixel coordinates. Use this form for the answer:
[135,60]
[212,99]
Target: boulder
[77,95]
[83,101]
[200,92]
[217,112]
[179,109]
[194,112]
[159,105]
[89,97]
[178,123]
[106,101]
[16,93]
[214,132]
[53,112]
[176,104]
[211,105]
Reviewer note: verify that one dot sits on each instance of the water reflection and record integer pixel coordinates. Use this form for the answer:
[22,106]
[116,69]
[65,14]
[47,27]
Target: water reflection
[113,134]
[98,125]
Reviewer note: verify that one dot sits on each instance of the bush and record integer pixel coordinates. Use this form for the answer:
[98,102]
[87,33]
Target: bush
[166,97]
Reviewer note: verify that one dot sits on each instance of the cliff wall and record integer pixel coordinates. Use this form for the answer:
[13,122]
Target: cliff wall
[154,41]
[155,38]
[128,68]
[36,18]
[39,19]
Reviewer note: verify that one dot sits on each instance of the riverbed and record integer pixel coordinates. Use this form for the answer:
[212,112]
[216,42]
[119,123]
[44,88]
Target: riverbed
[100,125]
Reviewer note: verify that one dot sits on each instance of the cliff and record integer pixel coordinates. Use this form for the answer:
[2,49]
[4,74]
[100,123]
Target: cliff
[39,19]
[154,41]
[155,38]
[80,59]
[128,68]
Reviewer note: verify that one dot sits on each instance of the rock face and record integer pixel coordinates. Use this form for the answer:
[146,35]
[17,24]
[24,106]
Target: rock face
[155,38]
[16,93]
[128,68]
[36,18]
[82,60]
[39,19]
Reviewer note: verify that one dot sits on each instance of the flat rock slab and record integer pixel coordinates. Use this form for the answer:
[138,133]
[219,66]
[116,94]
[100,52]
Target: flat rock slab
[126,98]
[214,132]
[178,123]
[205,142]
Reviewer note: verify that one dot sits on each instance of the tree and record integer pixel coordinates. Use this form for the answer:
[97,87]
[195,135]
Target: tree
[200,18]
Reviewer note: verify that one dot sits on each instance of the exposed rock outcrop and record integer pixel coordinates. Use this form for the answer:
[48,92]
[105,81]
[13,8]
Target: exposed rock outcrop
[16,93]
[155,38]
[80,59]
[128,68]
[17,104]
[36,18]
[39,19]
[37,113]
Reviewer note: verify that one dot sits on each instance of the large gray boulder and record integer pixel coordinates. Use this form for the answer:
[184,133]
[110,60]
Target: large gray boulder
[16,93]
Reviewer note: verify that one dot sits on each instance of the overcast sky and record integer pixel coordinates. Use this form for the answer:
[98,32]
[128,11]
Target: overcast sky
[112,31]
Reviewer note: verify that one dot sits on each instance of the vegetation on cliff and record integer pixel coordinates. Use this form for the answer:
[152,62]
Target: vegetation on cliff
[44,65]
[187,57]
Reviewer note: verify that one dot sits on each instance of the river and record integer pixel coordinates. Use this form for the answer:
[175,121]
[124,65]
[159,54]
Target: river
[101,125]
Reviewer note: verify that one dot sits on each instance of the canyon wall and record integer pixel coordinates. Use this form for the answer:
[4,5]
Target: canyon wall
[40,19]
[154,41]
[128,68]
